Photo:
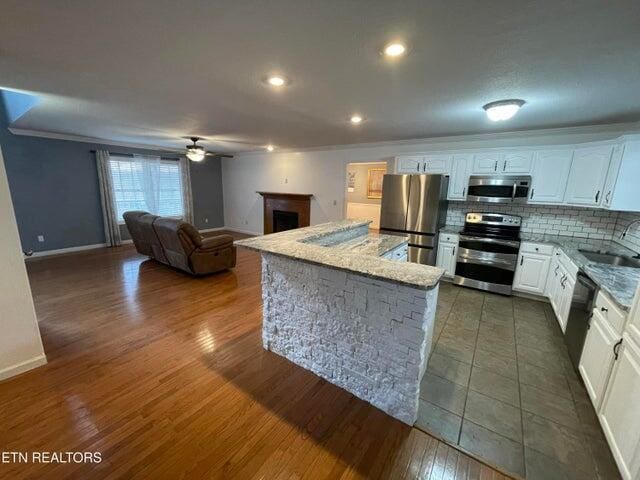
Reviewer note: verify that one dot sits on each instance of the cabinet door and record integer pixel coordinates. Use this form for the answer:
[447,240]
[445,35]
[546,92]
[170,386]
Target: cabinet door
[587,176]
[459,177]
[447,258]
[612,175]
[597,357]
[549,176]
[620,412]
[409,164]
[517,162]
[437,164]
[487,163]
[531,273]
[566,289]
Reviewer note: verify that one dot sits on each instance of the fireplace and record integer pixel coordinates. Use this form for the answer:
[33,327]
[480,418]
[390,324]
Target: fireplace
[284,220]
[285,211]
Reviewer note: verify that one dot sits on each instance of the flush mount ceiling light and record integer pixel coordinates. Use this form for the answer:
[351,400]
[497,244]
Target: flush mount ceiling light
[270,148]
[195,153]
[502,109]
[356,119]
[394,49]
[276,80]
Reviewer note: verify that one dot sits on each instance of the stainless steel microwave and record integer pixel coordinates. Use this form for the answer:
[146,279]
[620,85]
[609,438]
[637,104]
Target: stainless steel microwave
[498,189]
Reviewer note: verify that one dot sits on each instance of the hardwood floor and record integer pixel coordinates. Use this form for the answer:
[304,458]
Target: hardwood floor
[165,375]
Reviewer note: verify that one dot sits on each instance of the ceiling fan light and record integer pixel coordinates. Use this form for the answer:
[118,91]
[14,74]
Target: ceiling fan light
[502,109]
[195,153]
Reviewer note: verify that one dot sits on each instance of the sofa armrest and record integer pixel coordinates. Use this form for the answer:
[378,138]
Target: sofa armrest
[214,243]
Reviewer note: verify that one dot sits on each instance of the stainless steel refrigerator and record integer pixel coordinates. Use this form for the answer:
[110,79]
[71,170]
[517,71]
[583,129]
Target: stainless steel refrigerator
[415,205]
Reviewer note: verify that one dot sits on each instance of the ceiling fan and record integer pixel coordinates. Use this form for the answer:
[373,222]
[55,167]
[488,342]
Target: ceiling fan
[197,153]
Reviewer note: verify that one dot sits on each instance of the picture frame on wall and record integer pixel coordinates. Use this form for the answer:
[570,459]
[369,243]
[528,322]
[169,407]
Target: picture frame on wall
[374,182]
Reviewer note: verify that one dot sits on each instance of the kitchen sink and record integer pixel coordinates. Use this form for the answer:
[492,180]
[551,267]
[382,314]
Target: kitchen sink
[611,259]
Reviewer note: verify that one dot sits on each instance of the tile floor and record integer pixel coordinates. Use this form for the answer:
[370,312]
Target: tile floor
[499,383]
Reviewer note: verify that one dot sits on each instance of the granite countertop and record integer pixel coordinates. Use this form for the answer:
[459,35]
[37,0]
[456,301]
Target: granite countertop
[619,282]
[347,245]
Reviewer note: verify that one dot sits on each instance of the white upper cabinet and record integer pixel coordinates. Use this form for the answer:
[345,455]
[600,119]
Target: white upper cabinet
[549,177]
[409,164]
[621,188]
[516,163]
[587,176]
[487,163]
[436,164]
[459,177]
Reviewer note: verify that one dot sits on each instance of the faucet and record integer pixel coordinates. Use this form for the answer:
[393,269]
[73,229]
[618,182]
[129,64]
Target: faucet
[627,228]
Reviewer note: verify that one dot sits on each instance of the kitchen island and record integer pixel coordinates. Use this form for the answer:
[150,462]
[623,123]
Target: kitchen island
[345,304]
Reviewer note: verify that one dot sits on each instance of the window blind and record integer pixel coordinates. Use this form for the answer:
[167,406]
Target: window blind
[148,184]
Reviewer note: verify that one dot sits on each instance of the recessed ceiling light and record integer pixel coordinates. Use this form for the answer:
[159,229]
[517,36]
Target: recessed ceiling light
[502,109]
[270,148]
[276,80]
[356,119]
[395,49]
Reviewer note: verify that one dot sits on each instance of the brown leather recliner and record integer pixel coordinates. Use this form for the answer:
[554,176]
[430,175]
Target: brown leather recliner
[179,244]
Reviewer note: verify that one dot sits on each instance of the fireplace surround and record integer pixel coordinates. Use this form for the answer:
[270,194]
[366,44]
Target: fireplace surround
[285,211]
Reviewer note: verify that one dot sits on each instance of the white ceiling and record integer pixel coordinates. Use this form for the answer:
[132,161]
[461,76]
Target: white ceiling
[151,71]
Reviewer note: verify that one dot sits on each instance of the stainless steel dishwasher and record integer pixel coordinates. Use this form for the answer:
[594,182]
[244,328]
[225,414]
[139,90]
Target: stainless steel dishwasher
[580,314]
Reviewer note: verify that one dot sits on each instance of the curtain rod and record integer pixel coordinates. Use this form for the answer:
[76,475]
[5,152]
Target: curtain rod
[222,155]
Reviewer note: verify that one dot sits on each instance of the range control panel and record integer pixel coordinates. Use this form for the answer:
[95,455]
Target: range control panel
[494,219]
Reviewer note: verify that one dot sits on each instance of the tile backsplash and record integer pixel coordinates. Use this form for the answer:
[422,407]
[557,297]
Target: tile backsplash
[559,220]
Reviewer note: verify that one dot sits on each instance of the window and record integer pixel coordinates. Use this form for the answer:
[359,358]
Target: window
[147,183]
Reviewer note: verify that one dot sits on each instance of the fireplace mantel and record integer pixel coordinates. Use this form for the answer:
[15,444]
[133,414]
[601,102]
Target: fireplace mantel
[299,203]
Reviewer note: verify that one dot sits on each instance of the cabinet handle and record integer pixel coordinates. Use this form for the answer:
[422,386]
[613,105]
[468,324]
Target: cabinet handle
[454,251]
[537,249]
[418,168]
[607,197]
[521,260]
[616,349]
[604,309]
[495,166]
[464,190]
[597,195]
[532,190]
[504,166]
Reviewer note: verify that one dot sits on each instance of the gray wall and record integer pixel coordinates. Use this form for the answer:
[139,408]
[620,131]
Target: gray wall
[55,193]
[359,195]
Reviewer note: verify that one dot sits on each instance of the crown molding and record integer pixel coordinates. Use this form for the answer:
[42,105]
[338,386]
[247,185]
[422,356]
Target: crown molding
[91,140]
[615,129]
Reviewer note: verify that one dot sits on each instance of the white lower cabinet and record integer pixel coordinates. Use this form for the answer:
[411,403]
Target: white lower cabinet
[597,357]
[447,251]
[620,411]
[531,273]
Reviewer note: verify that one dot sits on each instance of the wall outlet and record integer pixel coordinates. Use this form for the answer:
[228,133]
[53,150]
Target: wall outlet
[286,180]
[41,238]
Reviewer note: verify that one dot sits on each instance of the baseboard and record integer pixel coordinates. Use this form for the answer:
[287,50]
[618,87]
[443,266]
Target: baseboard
[215,229]
[23,367]
[239,230]
[46,253]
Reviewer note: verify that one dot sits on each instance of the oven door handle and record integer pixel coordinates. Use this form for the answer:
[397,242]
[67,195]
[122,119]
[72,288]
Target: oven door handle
[510,243]
[501,264]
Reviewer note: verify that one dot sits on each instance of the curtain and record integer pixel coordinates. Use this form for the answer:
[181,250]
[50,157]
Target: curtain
[107,199]
[148,173]
[187,195]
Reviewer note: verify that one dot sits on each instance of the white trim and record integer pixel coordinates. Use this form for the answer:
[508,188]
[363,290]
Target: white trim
[23,367]
[616,130]
[215,229]
[59,251]
[94,140]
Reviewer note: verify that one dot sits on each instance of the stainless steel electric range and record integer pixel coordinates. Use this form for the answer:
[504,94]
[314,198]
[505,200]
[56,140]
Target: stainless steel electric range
[488,252]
